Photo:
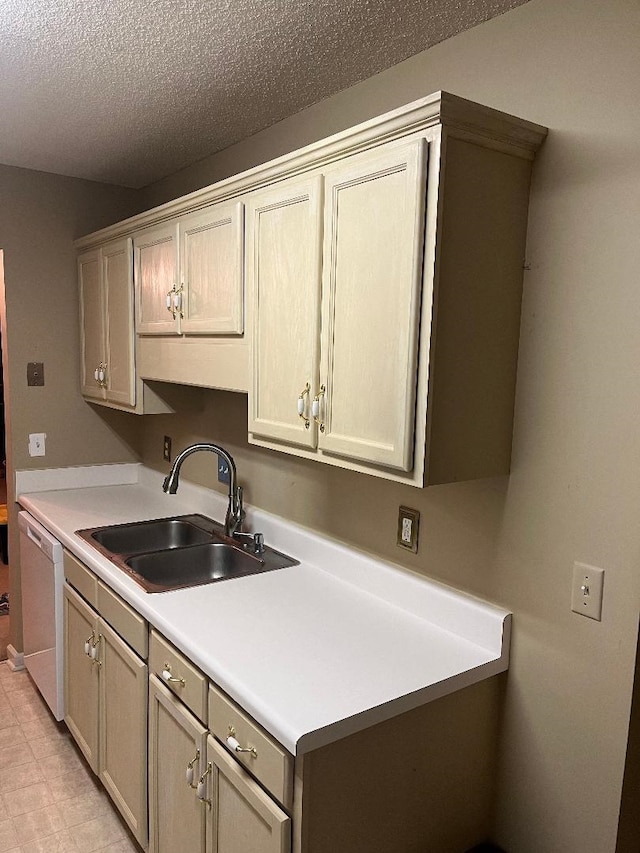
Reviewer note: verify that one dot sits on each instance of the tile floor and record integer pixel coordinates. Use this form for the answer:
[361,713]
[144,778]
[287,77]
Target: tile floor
[50,802]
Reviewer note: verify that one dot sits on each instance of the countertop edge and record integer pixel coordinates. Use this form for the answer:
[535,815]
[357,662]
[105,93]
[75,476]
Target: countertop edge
[298,742]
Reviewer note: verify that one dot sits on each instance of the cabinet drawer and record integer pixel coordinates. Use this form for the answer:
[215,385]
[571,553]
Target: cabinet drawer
[271,764]
[81,578]
[191,685]
[123,619]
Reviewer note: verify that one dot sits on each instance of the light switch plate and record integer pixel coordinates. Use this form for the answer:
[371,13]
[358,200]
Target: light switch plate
[586,590]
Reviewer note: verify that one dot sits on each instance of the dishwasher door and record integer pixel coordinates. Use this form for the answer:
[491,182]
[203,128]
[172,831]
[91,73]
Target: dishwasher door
[42,580]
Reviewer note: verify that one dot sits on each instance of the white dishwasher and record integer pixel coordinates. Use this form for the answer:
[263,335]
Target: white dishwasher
[42,580]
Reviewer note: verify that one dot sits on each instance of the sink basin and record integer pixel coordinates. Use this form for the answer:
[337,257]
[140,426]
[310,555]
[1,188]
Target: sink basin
[150,536]
[173,553]
[195,565]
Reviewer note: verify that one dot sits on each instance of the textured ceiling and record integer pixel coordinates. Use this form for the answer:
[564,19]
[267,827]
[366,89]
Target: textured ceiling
[128,91]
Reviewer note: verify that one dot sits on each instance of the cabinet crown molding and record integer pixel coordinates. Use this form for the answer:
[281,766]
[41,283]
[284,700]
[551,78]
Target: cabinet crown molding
[457,116]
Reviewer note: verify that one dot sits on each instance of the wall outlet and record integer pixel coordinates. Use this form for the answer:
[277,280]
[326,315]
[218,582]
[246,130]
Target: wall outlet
[223,471]
[586,590]
[37,443]
[408,524]
[166,448]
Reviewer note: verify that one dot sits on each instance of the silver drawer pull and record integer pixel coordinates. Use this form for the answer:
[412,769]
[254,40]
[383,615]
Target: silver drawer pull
[171,679]
[234,744]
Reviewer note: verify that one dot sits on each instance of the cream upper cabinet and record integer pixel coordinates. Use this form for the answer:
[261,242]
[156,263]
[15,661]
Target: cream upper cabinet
[156,279]
[372,277]
[384,271]
[284,238]
[336,330]
[92,322]
[107,324]
[211,261]
[189,274]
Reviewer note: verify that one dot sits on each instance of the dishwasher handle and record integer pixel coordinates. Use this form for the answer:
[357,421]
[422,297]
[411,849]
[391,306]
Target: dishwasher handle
[36,535]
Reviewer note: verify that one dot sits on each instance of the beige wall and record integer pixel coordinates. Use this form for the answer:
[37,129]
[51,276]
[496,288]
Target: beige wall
[40,216]
[574,491]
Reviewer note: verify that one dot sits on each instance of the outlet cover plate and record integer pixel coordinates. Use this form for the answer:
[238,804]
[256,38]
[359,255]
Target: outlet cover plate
[408,525]
[35,373]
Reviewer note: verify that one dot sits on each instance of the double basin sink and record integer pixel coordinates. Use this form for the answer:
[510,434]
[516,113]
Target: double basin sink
[172,553]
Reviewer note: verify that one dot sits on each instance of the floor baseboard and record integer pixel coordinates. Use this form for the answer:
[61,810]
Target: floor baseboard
[15,660]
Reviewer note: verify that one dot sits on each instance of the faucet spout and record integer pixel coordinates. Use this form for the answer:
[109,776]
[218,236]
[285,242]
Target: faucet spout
[233,519]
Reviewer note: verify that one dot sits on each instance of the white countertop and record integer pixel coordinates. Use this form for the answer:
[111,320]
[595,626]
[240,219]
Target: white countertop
[313,652]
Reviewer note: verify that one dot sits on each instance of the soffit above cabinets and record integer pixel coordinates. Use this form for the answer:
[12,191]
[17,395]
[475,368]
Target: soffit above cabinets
[127,93]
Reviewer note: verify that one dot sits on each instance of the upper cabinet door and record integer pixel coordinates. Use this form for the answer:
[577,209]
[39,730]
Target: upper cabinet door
[373,248]
[91,321]
[158,295]
[117,278]
[284,239]
[211,257]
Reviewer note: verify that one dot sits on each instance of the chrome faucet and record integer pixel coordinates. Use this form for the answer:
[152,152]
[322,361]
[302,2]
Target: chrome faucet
[235,512]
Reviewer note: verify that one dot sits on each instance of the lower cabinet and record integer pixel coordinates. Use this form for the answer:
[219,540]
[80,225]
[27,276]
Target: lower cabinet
[201,797]
[177,749]
[241,816]
[219,783]
[106,707]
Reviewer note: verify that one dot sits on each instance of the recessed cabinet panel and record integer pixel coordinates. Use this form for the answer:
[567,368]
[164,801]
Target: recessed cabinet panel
[106,707]
[177,745]
[156,278]
[372,276]
[123,729]
[243,817]
[211,252]
[81,675]
[119,332]
[91,325]
[284,269]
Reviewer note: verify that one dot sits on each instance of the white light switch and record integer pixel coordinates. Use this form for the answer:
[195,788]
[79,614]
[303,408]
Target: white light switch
[586,592]
[36,443]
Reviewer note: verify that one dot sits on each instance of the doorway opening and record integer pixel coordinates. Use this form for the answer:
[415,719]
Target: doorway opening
[5,595]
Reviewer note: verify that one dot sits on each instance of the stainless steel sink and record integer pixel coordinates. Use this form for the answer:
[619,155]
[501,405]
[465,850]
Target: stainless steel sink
[150,536]
[197,564]
[182,551]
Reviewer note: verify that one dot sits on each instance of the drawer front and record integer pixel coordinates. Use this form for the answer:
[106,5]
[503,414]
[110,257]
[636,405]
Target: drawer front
[270,763]
[189,683]
[81,578]
[123,619]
